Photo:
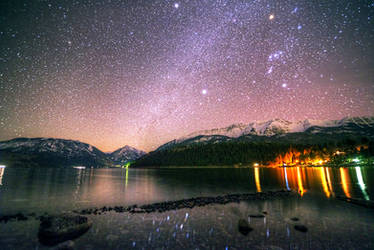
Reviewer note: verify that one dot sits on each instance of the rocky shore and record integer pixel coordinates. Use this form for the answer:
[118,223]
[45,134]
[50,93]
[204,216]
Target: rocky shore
[60,230]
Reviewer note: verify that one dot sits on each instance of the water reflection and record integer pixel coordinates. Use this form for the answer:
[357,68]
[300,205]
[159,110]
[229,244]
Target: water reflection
[324,182]
[361,183]
[127,177]
[300,182]
[80,173]
[285,177]
[330,180]
[294,178]
[344,174]
[2,170]
[62,188]
[257,180]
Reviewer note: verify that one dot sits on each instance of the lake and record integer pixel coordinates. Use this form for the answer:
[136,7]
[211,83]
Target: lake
[331,223]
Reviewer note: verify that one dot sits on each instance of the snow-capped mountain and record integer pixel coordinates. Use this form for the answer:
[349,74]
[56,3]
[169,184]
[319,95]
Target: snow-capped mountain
[276,127]
[126,154]
[51,152]
[39,145]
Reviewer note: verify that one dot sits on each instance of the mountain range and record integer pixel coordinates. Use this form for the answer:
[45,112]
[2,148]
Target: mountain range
[278,129]
[61,152]
[53,152]
[263,141]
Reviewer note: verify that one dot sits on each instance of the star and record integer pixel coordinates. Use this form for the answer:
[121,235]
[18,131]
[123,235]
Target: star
[172,61]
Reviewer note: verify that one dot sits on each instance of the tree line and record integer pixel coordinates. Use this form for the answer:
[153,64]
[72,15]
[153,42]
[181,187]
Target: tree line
[246,152]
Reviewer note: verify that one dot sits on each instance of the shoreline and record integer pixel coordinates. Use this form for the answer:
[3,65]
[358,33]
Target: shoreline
[250,166]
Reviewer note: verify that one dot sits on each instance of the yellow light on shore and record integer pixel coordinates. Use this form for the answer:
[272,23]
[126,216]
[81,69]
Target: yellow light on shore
[271,17]
[256,164]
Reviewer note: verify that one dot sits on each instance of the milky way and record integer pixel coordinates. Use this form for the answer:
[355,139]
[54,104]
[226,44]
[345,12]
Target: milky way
[142,73]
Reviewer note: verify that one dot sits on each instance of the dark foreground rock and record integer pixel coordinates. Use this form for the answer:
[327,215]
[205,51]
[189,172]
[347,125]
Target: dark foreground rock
[56,229]
[190,203]
[301,228]
[359,202]
[244,227]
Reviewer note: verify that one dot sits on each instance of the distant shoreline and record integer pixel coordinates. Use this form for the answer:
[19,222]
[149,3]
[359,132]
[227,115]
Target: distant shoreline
[249,166]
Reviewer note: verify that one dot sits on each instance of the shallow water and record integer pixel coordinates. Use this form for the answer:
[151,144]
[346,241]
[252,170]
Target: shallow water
[332,224]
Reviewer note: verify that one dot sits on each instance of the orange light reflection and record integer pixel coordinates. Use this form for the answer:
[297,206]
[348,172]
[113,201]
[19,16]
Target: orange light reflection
[257,180]
[324,183]
[329,180]
[345,181]
[300,182]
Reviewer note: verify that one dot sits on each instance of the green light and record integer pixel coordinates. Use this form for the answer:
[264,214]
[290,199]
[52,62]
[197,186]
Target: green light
[127,165]
[356,160]
[127,176]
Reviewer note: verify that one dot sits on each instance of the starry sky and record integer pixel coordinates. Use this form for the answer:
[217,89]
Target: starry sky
[144,72]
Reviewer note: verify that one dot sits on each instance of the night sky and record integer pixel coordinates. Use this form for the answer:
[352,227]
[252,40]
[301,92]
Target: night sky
[141,73]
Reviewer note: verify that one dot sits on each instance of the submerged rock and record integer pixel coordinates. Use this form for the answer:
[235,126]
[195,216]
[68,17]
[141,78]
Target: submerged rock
[256,215]
[301,228]
[67,245]
[190,203]
[359,202]
[270,247]
[56,229]
[244,227]
[18,217]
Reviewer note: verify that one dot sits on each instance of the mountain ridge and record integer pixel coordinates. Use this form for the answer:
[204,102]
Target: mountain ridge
[271,128]
[61,152]
[125,154]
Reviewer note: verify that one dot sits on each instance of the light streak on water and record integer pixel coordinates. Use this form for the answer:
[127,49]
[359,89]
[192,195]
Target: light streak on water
[285,176]
[324,183]
[257,180]
[127,177]
[300,182]
[361,183]
[345,182]
[2,170]
[329,180]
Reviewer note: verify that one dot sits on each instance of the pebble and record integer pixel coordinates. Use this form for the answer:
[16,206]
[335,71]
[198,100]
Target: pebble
[244,227]
[301,228]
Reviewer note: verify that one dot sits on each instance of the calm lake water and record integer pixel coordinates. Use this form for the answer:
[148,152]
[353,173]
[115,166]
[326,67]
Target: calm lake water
[332,224]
